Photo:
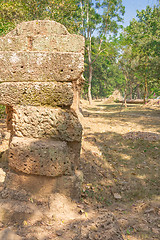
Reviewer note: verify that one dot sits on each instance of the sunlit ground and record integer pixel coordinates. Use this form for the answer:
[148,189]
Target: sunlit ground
[121,165]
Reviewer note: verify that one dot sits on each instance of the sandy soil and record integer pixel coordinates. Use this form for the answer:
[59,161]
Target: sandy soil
[121,175]
[121,158]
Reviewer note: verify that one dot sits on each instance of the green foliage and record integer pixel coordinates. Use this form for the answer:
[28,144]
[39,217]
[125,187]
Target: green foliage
[104,18]
[106,73]
[143,38]
[13,12]
[2,111]
[112,15]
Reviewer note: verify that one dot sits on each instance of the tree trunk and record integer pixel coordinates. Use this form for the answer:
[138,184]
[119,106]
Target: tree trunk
[81,6]
[125,91]
[90,78]
[138,92]
[145,90]
[146,82]
[131,92]
[90,68]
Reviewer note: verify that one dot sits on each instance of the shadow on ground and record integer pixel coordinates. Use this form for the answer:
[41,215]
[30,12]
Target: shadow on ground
[121,173]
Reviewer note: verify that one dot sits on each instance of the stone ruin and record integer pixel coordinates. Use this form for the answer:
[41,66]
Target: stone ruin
[41,68]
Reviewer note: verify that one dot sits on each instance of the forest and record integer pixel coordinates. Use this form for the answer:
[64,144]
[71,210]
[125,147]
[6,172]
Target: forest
[120,58]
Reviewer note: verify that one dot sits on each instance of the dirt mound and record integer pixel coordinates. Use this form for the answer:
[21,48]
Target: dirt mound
[116,96]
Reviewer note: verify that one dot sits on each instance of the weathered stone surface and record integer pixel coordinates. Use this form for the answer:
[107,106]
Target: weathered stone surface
[40,66]
[35,94]
[76,95]
[36,27]
[54,43]
[44,122]
[40,157]
[60,43]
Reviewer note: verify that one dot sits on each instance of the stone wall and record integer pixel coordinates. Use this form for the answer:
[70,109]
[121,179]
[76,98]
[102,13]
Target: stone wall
[41,68]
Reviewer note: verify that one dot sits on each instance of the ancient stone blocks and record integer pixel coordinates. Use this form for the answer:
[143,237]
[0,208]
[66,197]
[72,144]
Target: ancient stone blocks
[36,94]
[39,27]
[40,157]
[44,122]
[41,68]
[53,43]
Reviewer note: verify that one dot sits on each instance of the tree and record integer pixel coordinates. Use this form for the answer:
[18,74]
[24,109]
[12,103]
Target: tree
[144,37]
[103,23]
[106,73]
[13,12]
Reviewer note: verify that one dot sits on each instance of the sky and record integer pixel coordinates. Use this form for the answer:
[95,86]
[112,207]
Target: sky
[132,5]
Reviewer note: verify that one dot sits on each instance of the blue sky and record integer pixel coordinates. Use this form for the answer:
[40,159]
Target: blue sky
[132,5]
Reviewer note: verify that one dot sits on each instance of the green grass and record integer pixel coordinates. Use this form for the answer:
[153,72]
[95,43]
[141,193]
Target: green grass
[2,111]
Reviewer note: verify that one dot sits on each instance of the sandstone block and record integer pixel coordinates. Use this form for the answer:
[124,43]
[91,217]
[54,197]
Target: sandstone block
[59,43]
[17,43]
[44,122]
[39,27]
[40,66]
[27,93]
[54,43]
[40,157]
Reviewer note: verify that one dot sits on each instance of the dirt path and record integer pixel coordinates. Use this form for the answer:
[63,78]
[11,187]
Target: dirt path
[121,165]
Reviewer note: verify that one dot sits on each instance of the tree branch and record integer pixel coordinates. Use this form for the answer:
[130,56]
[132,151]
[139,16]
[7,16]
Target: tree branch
[97,55]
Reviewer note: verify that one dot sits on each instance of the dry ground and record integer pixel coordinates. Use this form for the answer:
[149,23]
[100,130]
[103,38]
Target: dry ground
[120,161]
[121,164]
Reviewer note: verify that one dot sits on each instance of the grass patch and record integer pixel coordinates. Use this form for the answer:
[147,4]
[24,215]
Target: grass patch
[2,111]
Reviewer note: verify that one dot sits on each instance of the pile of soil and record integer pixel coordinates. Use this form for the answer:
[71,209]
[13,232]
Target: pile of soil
[116,96]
